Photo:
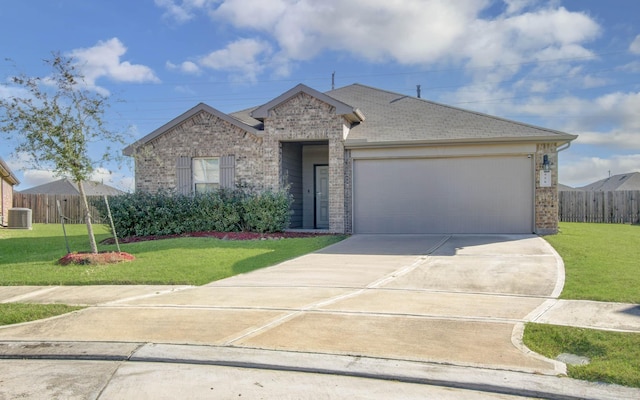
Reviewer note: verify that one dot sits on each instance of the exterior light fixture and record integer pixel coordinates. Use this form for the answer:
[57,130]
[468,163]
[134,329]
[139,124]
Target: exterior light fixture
[546,165]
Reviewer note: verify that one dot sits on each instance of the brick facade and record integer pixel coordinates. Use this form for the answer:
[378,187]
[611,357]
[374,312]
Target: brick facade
[303,118]
[203,135]
[546,198]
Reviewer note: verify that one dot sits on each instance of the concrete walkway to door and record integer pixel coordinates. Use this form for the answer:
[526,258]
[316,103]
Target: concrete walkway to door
[414,303]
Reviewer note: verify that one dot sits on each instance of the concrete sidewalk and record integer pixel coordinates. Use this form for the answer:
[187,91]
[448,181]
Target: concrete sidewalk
[427,300]
[622,317]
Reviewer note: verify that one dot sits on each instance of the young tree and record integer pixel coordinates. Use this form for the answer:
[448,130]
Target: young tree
[55,122]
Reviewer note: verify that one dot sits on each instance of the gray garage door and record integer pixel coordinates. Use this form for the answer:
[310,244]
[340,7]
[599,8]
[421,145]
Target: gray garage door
[443,195]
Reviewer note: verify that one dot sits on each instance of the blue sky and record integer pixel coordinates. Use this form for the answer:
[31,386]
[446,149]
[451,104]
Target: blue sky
[570,65]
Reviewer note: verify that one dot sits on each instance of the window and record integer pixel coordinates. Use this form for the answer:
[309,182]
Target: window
[206,174]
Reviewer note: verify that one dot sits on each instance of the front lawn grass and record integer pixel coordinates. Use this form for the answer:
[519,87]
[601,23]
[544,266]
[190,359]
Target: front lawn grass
[28,257]
[615,356]
[601,263]
[15,313]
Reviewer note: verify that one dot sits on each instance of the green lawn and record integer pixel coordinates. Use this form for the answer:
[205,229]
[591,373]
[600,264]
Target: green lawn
[29,258]
[601,263]
[615,356]
[15,313]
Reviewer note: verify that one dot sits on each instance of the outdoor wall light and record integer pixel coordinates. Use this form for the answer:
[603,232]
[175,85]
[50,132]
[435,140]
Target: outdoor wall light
[546,165]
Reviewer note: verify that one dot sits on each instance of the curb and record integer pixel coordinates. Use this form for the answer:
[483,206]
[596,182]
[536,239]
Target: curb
[452,376]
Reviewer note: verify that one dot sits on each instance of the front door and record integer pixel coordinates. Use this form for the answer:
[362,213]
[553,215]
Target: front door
[321,174]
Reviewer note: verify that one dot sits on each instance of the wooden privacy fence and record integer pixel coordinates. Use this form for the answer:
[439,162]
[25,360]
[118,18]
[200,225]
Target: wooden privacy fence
[44,209]
[621,207]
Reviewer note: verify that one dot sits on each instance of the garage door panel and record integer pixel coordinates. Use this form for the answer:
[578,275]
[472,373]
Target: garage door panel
[444,195]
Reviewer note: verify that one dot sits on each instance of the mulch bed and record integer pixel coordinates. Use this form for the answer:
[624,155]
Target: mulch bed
[220,235]
[108,257]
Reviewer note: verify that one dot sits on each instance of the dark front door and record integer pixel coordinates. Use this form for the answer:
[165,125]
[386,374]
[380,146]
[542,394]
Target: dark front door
[321,174]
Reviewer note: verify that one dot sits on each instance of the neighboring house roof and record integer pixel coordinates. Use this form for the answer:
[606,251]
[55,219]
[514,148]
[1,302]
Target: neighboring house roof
[6,174]
[67,186]
[565,188]
[628,181]
[185,116]
[383,118]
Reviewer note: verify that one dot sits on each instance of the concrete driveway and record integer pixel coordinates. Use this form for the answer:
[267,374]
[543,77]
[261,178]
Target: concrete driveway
[446,299]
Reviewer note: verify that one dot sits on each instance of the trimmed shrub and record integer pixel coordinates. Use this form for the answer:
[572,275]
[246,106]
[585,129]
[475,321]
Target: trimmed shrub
[224,210]
[266,212]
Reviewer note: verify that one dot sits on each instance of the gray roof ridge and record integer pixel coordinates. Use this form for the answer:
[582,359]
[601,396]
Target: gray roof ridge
[555,132]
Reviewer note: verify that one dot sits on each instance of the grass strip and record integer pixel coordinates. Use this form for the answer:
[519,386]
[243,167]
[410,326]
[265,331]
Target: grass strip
[15,313]
[615,356]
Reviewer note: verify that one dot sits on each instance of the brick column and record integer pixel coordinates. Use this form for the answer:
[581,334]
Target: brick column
[546,198]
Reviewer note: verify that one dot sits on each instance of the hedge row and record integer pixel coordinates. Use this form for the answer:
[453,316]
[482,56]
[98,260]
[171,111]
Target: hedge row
[145,214]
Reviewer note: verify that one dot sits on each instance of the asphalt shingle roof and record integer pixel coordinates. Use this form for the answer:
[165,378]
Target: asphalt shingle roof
[395,117]
[629,181]
[66,186]
[392,117]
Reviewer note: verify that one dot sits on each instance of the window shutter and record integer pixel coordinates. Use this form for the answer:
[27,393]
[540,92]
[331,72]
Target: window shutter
[228,171]
[183,175]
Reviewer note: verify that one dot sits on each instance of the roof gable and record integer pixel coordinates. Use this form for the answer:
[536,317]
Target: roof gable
[341,108]
[185,116]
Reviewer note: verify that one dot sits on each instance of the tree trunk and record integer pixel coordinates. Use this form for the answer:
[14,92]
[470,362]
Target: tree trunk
[87,217]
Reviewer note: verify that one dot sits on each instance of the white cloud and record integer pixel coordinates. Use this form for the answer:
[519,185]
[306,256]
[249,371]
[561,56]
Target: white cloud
[614,139]
[188,67]
[633,67]
[583,171]
[36,177]
[516,6]
[8,91]
[30,176]
[270,12]
[114,179]
[611,120]
[243,58]
[408,32]
[104,60]
[634,47]
[182,11]
[413,31]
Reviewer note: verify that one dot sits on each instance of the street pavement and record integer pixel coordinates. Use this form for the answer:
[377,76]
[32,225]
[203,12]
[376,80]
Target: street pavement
[374,316]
